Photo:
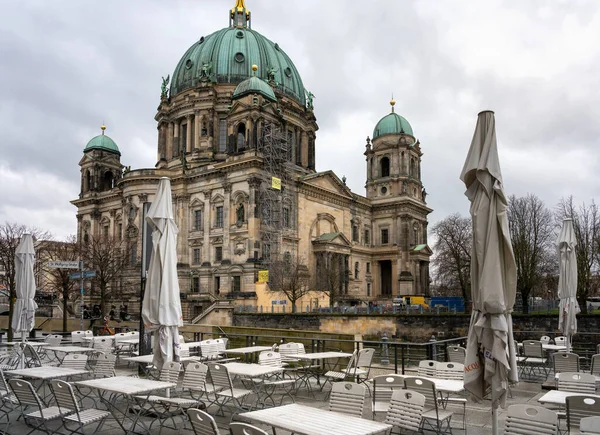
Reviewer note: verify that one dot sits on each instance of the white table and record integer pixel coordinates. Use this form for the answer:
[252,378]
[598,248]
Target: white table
[308,371]
[251,370]
[445,385]
[320,355]
[42,374]
[32,343]
[110,390]
[67,350]
[147,359]
[556,397]
[305,420]
[550,347]
[247,350]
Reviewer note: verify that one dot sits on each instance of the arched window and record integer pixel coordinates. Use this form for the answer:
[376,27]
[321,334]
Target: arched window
[385,167]
[356,270]
[412,168]
[107,183]
[87,181]
[415,234]
[241,136]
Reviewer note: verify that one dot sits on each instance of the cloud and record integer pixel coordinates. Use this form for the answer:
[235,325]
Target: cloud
[70,66]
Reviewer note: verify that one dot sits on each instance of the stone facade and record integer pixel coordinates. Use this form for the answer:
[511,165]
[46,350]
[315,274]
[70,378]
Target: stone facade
[211,144]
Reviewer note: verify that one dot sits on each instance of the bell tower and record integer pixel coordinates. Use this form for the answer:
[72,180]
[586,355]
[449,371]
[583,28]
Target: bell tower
[101,165]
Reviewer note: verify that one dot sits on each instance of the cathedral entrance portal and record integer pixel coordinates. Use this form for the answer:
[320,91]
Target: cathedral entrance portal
[385,268]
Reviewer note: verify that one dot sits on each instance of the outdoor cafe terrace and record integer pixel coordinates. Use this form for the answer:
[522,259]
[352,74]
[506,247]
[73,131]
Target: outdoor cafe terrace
[307,387]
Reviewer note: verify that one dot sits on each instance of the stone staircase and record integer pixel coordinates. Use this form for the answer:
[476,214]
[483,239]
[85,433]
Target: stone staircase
[218,313]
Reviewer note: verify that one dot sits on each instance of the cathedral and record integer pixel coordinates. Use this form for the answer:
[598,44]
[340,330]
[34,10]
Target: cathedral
[237,136]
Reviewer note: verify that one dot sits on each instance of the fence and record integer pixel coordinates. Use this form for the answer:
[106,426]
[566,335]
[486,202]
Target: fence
[380,309]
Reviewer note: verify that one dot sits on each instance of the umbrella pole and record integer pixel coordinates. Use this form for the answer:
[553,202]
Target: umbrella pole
[494,420]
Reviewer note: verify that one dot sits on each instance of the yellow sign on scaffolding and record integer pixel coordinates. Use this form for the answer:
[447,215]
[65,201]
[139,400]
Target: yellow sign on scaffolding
[276,183]
[263,276]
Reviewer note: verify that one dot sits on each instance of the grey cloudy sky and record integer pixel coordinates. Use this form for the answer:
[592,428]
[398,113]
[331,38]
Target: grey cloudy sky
[67,66]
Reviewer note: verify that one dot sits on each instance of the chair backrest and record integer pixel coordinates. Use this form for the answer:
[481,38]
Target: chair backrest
[456,354]
[105,366]
[208,349]
[75,361]
[64,396]
[589,425]
[225,341]
[579,407]
[406,410]
[101,343]
[194,378]
[288,351]
[561,341]
[202,422]
[220,376]
[529,419]
[598,348]
[533,349]
[170,372]
[365,357]
[32,358]
[384,387]
[427,368]
[121,336]
[220,343]
[595,365]
[3,384]
[76,336]
[245,429]
[577,382]
[270,359]
[565,362]
[301,349]
[25,393]
[545,339]
[348,398]
[54,340]
[184,350]
[426,388]
[449,370]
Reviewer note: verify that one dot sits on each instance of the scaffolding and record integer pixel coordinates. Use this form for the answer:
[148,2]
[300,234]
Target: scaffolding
[274,193]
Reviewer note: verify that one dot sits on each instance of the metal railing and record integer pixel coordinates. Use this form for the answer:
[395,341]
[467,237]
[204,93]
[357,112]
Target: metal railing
[391,356]
[366,310]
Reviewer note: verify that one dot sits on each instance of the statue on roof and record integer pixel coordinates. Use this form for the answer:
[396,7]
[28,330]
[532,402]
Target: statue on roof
[206,70]
[163,87]
[271,73]
[309,99]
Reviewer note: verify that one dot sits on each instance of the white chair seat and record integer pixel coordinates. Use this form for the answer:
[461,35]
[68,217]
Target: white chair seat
[88,416]
[179,401]
[441,414]
[50,413]
[534,360]
[235,393]
[336,375]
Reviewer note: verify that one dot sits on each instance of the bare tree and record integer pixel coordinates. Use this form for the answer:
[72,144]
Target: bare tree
[532,234]
[10,237]
[105,255]
[586,224]
[452,260]
[332,275]
[58,281]
[289,275]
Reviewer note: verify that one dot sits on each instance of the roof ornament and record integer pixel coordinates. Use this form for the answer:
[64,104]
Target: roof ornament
[103,127]
[309,99]
[254,69]
[239,15]
[163,86]
[392,103]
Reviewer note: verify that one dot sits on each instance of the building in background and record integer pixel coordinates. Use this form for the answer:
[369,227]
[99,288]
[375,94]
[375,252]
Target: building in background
[237,137]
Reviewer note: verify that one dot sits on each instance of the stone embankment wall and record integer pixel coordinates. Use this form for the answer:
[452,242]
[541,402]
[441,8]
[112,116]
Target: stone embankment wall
[417,328]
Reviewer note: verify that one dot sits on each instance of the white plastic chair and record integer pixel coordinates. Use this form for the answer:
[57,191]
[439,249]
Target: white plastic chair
[28,399]
[456,354]
[405,411]
[560,341]
[589,425]
[384,387]
[245,429]
[76,337]
[545,339]
[347,398]
[271,384]
[226,394]
[427,368]
[534,358]
[583,383]
[74,361]
[437,420]
[202,422]
[565,362]
[452,371]
[579,407]
[528,419]
[72,413]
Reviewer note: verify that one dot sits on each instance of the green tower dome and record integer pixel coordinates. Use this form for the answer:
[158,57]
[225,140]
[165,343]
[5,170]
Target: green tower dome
[227,56]
[254,85]
[103,143]
[392,124]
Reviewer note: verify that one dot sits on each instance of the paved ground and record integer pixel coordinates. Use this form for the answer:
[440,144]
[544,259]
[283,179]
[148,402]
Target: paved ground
[478,414]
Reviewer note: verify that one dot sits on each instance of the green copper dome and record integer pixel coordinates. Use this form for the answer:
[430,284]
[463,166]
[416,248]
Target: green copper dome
[392,124]
[227,56]
[254,85]
[102,142]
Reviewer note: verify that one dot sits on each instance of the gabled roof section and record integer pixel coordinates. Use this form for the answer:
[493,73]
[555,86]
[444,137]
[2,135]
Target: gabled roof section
[422,249]
[337,238]
[327,180]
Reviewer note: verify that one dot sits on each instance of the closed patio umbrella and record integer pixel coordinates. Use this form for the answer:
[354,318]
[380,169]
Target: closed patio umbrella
[490,363]
[161,308]
[23,318]
[567,281]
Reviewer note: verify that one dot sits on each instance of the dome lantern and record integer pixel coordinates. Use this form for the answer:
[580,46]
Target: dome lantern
[239,16]
[103,143]
[392,123]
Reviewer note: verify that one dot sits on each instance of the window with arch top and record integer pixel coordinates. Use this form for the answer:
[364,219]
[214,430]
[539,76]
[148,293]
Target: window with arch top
[384,164]
[241,136]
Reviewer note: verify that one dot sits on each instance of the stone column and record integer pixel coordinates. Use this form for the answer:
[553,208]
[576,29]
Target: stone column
[169,147]
[206,254]
[188,139]
[304,149]
[162,141]
[176,138]
[226,218]
[197,130]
